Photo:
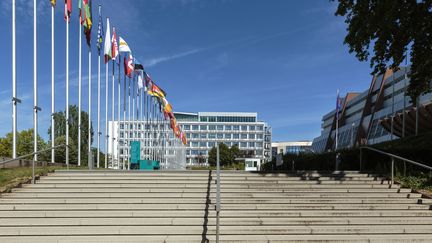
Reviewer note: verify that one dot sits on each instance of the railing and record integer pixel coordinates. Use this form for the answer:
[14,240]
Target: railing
[33,161]
[393,158]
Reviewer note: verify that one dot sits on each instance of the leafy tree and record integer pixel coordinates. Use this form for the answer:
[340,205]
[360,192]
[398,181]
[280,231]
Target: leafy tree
[24,144]
[60,134]
[391,27]
[227,155]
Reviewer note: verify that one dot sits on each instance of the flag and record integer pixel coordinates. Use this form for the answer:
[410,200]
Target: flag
[107,45]
[114,48]
[128,66]
[183,138]
[338,106]
[68,10]
[123,46]
[86,18]
[140,81]
[53,2]
[156,91]
[100,33]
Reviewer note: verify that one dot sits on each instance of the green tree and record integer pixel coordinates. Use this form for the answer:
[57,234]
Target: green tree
[24,144]
[227,155]
[60,134]
[391,27]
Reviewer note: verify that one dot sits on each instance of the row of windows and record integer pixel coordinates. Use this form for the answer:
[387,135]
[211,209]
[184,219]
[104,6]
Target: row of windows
[229,144]
[227,119]
[223,127]
[205,152]
[223,135]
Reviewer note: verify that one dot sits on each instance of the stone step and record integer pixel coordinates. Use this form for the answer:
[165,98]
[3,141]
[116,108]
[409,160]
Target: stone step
[213,186]
[231,178]
[202,206]
[387,201]
[204,190]
[223,182]
[212,221]
[211,213]
[231,230]
[201,195]
[364,238]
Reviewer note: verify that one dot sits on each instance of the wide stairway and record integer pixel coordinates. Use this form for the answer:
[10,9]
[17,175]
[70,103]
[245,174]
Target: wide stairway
[164,206]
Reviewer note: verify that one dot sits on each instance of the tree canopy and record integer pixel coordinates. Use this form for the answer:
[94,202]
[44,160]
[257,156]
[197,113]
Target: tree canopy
[227,155]
[24,144]
[395,29]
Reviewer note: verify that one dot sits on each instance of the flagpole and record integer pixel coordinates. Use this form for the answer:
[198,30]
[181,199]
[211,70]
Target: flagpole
[67,89]
[124,119]
[89,157]
[79,91]
[15,100]
[118,113]
[98,95]
[112,109]
[337,122]
[106,102]
[35,87]
[52,88]
[129,120]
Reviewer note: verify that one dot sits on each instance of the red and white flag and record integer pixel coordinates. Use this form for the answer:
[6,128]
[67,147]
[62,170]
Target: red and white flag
[114,47]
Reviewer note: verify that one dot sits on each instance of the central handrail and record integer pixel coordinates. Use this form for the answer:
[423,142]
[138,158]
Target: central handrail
[393,157]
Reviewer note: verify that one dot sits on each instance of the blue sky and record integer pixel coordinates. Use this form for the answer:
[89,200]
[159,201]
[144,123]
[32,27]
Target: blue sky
[282,59]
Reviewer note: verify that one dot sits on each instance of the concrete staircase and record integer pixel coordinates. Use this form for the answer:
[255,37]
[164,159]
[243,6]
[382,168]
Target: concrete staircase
[111,206]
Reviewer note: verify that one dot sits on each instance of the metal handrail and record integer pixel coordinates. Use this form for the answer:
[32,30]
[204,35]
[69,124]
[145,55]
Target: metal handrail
[393,157]
[33,161]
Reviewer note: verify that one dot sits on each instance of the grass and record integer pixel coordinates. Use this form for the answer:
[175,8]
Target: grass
[12,177]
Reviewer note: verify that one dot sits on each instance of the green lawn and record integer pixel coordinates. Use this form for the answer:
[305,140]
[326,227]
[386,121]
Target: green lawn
[10,178]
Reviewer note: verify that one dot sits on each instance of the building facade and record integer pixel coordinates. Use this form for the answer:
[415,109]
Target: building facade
[293,147]
[203,130]
[383,112]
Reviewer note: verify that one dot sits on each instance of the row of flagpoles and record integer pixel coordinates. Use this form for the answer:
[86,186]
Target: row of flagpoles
[154,101]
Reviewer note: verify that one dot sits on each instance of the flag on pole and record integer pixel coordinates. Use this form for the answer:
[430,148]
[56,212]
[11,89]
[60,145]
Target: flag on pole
[53,2]
[100,33]
[123,46]
[86,18]
[338,106]
[107,45]
[140,81]
[68,9]
[114,47]
[128,66]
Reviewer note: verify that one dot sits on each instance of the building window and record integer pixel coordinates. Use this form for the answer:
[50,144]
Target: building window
[211,144]
[236,136]
[203,135]
[259,136]
[252,128]
[186,127]
[252,144]
[194,144]
[220,127]
[121,126]
[212,136]
[259,144]
[203,144]
[203,127]
[212,127]
[228,128]
[227,136]
[260,128]
[244,136]
[121,135]
[244,128]
[195,135]
[243,144]
[188,135]
[251,136]
[195,127]
[219,135]
[236,127]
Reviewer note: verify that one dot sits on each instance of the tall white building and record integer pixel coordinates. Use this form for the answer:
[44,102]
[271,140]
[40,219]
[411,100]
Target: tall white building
[203,130]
